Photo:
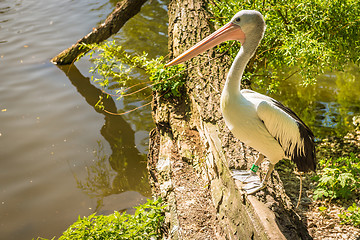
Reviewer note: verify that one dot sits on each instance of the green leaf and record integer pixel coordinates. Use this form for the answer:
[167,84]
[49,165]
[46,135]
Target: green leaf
[339,178]
[346,178]
[146,222]
[311,36]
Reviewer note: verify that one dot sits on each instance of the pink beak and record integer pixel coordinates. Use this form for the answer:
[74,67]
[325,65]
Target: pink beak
[230,31]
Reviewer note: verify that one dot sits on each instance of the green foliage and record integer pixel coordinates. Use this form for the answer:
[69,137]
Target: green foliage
[144,224]
[115,66]
[351,216]
[310,36]
[168,80]
[322,209]
[338,179]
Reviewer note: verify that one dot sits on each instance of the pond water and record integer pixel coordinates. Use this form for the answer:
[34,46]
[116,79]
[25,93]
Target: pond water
[59,156]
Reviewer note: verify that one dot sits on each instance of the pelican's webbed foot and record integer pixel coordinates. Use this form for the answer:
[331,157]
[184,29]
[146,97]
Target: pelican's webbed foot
[251,188]
[245,176]
[251,180]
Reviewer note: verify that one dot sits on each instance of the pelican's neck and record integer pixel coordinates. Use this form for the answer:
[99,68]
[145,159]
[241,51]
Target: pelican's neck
[233,80]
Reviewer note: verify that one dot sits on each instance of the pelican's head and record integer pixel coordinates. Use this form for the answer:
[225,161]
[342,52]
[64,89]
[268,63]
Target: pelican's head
[251,23]
[247,26]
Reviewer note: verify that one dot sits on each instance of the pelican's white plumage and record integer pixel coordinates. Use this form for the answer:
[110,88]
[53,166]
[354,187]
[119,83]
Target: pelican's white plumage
[257,120]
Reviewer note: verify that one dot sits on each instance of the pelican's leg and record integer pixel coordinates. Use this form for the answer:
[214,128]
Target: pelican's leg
[251,188]
[271,168]
[249,176]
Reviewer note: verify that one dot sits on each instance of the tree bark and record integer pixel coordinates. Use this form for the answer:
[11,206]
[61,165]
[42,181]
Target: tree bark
[124,10]
[192,131]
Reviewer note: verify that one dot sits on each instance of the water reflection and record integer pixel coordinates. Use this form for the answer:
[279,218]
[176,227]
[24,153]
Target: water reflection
[147,31]
[128,163]
[126,169]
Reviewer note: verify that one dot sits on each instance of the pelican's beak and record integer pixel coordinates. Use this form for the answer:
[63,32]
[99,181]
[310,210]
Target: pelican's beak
[230,31]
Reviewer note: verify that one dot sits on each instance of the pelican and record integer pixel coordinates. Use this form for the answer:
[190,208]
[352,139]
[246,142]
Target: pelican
[259,121]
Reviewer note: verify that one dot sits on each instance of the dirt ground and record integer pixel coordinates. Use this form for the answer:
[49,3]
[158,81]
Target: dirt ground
[197,215]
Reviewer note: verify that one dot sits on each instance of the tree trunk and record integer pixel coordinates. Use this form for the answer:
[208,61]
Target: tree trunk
[192,151]
[124,10]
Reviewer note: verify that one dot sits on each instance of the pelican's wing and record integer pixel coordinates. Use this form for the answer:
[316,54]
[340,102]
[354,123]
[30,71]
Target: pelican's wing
[289,130]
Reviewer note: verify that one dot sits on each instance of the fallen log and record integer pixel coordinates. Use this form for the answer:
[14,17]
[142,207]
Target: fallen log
[124,10]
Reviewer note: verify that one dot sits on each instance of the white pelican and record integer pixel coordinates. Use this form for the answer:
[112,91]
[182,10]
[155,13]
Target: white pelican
[255,119]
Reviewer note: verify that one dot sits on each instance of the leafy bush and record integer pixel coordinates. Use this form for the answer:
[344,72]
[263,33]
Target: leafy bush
[352,215]
[115,66]
[338,178]
[310,36]
[144,224]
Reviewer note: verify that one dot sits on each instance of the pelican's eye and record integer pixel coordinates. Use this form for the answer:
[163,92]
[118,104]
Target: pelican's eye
[238,19]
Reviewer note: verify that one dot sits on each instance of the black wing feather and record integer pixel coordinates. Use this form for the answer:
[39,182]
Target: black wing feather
[306,160]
